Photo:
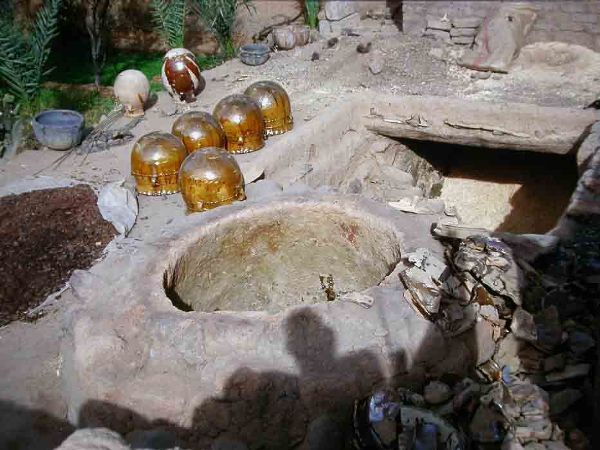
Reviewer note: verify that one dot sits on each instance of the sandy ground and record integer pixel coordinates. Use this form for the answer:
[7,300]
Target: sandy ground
[29,353]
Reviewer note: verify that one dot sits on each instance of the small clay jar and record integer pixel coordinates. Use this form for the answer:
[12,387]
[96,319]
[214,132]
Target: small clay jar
[132,89]
[198,129]
[242,121]
[275,105]
[181,75]
[301,35]
[209,178]
[155,161]
[284,38]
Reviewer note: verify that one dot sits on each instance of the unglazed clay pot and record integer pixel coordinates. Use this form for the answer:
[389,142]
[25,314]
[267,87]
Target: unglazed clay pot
[284,38]
[243,123]
[301,34]
[209,178]
[198,129]
[181,75]
[132,89]
[275,105]
[155,161]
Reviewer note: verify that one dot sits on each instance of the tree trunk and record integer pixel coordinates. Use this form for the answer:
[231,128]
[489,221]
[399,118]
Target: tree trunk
[95,23]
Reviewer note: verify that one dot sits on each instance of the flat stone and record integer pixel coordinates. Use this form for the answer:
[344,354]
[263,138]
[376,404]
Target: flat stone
[339,9]
[523,325]
[563,400]
[580,342]
[437,392]
[468,32]
[569,372]
[438,24]
[466,22]
[376,63]
[555,362]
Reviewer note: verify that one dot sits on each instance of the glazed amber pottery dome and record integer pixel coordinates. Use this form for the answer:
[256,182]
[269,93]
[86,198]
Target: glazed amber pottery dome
[275,105]
[243,123]
[181,76]
[197,130]
[210,177]
[155,161]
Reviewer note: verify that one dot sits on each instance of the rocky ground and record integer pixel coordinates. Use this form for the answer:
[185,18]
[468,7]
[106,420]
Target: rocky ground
[316,76]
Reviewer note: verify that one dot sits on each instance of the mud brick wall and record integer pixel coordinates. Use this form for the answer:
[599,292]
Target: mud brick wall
[574,22]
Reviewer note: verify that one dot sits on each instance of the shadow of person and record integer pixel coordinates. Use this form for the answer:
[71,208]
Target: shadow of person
[23,428]
[272,410]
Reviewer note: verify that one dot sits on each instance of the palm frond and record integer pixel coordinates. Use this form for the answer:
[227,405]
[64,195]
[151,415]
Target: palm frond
[169,16]
[219,16]
[24,57]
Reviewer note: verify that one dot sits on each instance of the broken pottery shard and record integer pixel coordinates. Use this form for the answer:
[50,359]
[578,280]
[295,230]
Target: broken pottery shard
[437,392]
[118,205]
[572,371]
[563,400]
[489,313]
[457,289]
[423,291]
[251,171]
[523,326]
[425,260]
[540,429]
[418,205]
[364,300]
[455,319]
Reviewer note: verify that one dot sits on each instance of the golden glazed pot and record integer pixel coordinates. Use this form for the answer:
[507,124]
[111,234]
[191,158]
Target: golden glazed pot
[243,123]
[155,161]
[181,75]
[197,130]
[210,177]
[275,105]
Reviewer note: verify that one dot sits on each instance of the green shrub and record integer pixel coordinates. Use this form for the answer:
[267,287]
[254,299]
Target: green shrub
[23,55]
[219,17]
[311,10]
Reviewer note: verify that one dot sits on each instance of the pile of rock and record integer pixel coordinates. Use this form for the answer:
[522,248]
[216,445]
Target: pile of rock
[338,17]
[535,341]
[458,31]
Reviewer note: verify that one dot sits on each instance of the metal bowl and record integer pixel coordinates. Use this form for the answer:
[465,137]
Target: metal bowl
[58,129]
[254,54]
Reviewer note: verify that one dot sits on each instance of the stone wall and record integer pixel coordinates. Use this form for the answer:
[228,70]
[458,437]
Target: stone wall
[573,22]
